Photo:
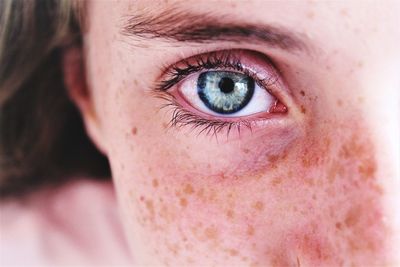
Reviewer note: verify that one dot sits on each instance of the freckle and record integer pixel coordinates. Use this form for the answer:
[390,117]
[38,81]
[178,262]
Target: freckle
[174,248]
[183,202]
[258,206]
[177,193]
[276,181]
[188,189]
[353,216]
[260,175]
[378,189]
[230,195]
[367,168]
[135,82]
[307,162]
[302,93]
[246,150]
[310,15]
[360,99]
[200,193]
[352,149]
[332,173]
[338,226]
[212,195]
[233,252]
[211,232]
[155,183]
[149,206]
[339,102]
[303,109]
[360,64]
[250,230]
[222,176]
[230,214]
[273,158]
[134,131]
[309,181]
[131,193]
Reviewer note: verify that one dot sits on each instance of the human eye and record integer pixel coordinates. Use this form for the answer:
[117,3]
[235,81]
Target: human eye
[222,90]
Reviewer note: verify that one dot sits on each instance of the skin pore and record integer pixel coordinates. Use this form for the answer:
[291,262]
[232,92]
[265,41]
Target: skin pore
[312,186]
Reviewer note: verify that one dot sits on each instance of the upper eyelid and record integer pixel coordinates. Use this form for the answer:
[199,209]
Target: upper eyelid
[224,59]
[200,62]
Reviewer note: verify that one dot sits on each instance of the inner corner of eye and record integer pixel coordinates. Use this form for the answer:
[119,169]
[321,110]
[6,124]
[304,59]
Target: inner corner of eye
[278,107]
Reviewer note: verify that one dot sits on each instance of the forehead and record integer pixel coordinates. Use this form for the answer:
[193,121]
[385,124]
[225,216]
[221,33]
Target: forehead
[286,12]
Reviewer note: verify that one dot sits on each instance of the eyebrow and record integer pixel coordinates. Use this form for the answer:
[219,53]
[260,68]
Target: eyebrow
[177,26]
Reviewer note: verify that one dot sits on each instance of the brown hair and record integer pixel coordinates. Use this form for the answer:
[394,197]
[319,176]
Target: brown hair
[42,140]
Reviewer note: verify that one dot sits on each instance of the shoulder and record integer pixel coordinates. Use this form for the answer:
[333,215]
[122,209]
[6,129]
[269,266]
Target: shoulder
[74,224]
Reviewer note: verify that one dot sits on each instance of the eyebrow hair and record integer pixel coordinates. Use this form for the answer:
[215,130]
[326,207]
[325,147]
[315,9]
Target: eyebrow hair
[184,26]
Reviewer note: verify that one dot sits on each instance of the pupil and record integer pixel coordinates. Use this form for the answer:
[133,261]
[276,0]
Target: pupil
[226,85]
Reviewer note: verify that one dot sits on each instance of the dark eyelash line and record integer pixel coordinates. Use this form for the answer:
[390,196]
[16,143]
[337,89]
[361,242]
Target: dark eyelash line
[210,127]
[214,60]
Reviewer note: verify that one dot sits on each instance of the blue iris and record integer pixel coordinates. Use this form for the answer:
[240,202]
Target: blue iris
[225,92]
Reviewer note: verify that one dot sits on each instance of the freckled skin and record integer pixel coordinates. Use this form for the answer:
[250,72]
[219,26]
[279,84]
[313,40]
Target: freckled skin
[342,224]
[308,193]
[134,131]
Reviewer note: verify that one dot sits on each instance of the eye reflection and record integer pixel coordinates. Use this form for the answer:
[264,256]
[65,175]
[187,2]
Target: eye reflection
[225,92]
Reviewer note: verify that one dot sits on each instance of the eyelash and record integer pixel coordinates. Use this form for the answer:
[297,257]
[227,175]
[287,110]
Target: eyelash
[181,117]
[214,60]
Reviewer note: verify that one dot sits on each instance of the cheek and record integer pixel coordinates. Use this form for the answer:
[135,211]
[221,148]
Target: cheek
[316,203]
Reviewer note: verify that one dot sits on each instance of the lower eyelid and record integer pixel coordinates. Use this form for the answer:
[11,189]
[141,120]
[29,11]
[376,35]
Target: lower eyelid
[275,128]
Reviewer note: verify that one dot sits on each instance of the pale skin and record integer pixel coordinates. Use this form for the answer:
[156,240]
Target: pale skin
[315,185]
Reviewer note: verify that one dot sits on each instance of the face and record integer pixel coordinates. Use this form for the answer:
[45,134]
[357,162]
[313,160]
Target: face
[248,133]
